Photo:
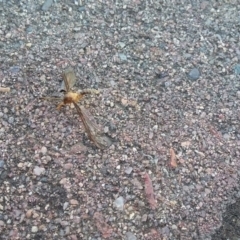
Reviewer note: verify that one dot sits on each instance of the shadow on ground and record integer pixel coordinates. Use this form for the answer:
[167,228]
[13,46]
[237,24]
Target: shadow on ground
[231,224]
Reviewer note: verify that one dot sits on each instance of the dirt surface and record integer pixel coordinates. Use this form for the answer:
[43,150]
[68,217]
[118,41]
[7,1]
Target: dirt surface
[168,72]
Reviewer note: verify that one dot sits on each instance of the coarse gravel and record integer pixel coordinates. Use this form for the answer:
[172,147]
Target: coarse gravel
[169,77]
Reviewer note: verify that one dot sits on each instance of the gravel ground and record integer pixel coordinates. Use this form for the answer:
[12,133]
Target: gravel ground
[168,72]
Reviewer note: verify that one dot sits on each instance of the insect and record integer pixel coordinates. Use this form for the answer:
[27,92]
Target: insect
[91,128]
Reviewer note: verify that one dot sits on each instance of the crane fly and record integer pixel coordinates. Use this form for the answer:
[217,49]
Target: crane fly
[90,126]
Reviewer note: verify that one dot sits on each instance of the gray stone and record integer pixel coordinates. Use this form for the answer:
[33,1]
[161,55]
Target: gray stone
[1,163]
[119,203]
[130,236]
[122,56]
[47,4]
[237,69]
[194,74]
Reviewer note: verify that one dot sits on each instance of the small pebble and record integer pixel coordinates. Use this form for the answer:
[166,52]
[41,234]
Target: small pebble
[68,166]
[130,236]
[1,163]
[131,216]
[47,4]
[29,29]
[29,213]
[14,69]
[64,181]
[106,129]
[38,170]
[150,135]
[207,191]
[155,128]
[2,223]
[122,56]
[8,35]
[67,230]
[111,104]
[43,150]
[144,218]
[128,170]
[65,205]
[176,41]
[11,120]
[187,55]
[137,183]
[119,203]
[124,101]
[238,94]
[121,44]
[20,165]
[43,78]
[34,229]
[167,84]
[194,74]
[81,9]
[73,202]
[237,69]
[174,227]
[226,136]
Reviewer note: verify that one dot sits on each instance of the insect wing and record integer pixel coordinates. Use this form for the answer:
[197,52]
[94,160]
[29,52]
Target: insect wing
[69,78]
[96,135]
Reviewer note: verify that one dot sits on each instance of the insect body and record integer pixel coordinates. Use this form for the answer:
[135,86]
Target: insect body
[92,129]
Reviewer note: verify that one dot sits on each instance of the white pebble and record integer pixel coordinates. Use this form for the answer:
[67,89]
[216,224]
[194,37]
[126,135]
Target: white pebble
[34,229]
[38,170]
[119,203]
[43,150]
